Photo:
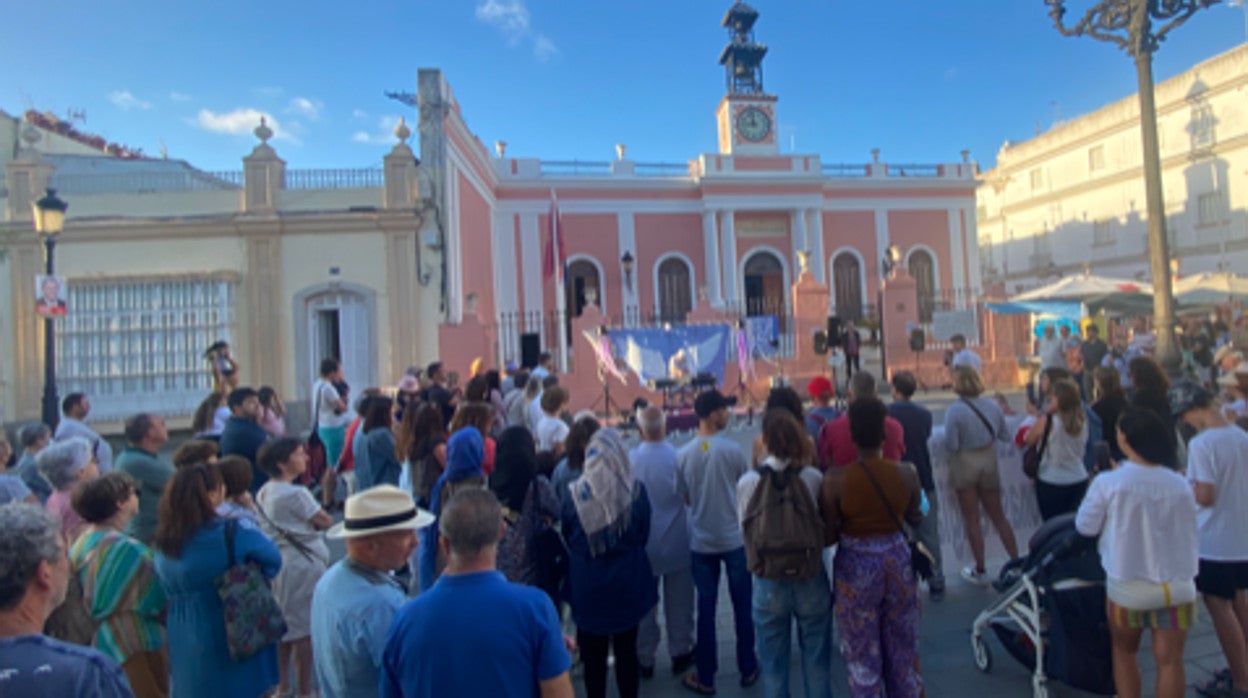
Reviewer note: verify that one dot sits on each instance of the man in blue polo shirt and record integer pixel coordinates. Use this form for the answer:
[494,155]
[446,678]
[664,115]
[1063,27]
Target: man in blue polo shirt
[473,633]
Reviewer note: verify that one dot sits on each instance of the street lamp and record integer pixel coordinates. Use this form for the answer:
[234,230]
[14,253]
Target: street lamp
[49,214]
[1130,25]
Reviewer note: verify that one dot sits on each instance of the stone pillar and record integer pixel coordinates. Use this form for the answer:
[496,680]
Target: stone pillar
[402,172]
[901,314]
[264,175]
[728,252]
[26,177]
[810,314]
[262,288]
[710,240]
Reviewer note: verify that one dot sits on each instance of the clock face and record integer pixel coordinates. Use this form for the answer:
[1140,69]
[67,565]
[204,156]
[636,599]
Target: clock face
[753,124]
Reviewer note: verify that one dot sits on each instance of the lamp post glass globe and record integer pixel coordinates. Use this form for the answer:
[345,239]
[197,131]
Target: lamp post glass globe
[49,214]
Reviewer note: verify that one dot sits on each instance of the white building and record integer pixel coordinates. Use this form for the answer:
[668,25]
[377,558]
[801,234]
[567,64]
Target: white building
[1072,199]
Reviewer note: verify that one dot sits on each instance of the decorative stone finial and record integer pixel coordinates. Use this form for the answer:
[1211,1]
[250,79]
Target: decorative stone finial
[875,155]
[263,132]
[500,149]
[803,261]
[966,156]
[621,150]
[401,131]
[31,135]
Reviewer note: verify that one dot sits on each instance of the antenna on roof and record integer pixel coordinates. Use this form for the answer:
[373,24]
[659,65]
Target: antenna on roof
[76,115]
[164,150]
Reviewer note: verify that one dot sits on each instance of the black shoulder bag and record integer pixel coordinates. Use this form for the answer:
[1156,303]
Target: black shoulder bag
[921,559]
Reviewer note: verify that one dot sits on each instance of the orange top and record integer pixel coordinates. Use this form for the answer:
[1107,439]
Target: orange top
[854,505]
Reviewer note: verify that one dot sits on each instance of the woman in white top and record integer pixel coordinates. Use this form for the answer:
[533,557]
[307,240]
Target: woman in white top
[291,517]
[1062,479]
[1145,514]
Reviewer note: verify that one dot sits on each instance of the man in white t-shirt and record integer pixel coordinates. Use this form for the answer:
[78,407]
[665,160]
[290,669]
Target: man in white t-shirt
[1217,467]
[1050,349]
[551,429]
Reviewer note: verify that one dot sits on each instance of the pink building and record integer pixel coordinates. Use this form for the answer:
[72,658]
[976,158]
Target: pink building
[645,242]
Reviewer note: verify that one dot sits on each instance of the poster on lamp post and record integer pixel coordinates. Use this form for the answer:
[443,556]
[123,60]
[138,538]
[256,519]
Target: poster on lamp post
[50,293]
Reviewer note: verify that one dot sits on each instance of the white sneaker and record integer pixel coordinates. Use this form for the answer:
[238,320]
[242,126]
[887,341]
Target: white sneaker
[977,578]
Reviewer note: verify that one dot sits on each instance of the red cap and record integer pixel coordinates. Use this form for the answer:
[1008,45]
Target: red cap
[820,386]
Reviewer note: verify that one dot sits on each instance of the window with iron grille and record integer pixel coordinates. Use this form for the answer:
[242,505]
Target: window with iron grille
[137,344]
[1102,233]
[1210,208]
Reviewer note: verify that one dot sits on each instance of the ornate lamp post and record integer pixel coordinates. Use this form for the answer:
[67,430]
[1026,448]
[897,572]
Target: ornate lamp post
[49,214]
[1138,27]
[626,262]
[892,257]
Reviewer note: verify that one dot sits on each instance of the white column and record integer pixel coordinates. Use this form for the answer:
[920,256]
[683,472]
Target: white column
[454,252]
[531,268]
[816,249]
[729,254]
[957,263]
[626,227]
[881,240]
[800,243]
[710,241]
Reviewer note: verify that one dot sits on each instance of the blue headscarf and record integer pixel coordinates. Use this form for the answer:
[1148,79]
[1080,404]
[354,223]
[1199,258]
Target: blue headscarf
[465,452]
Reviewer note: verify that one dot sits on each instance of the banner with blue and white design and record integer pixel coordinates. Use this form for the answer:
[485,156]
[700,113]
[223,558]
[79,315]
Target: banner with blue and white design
[649,350]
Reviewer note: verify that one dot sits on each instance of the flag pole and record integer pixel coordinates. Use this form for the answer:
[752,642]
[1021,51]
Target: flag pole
[561,295]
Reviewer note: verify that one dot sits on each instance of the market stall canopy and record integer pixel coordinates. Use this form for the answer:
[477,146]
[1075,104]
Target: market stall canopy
[1210,288]
[1095,292]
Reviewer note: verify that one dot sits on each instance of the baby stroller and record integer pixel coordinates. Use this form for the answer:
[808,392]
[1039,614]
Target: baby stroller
[1051,613]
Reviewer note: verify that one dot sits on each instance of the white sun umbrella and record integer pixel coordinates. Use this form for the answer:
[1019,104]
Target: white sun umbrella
[1210,288]
[1095,292]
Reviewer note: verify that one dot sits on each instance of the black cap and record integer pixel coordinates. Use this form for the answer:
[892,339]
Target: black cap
[709,402]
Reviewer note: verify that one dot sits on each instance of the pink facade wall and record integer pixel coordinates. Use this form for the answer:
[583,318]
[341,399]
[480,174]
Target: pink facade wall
[596,236]
[854,229]
[476,243]
[929,228]
[658,234]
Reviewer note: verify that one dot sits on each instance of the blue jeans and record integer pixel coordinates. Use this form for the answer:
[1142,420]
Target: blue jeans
[776,605]
[706,580]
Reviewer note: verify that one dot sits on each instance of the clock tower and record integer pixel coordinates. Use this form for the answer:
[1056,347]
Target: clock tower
[747,114]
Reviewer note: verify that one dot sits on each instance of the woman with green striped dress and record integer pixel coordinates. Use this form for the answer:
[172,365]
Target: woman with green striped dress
[119,584]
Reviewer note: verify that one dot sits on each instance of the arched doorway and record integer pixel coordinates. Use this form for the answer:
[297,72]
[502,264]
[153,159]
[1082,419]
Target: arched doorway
[847,280]
[675,297]
[583,285]
[764,286]
[336,321]
[923,270]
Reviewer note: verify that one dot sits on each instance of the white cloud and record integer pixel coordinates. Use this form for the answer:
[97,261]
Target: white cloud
[307,108]
[512,18]
[383,135]
[359,114]
[123,99]
[544,48]
[240,121]
[179,96]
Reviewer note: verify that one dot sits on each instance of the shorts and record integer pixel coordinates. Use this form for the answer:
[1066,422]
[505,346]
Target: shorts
[975,469]
[1222,578]
[1179,617]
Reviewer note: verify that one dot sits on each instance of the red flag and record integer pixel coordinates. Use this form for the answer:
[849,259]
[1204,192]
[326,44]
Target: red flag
[556,253]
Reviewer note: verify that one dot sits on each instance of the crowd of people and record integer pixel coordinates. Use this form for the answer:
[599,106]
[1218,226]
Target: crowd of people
[493,540]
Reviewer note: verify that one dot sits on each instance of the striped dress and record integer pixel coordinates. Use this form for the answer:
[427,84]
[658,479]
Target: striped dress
[120,586]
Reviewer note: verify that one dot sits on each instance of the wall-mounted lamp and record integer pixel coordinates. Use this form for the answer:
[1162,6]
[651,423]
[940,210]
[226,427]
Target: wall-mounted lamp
[626,263]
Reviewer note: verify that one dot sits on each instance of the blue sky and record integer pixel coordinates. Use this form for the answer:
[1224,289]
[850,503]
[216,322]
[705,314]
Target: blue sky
[565,79]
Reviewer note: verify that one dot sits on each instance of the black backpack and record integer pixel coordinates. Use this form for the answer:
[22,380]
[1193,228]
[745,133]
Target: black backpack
[782,528]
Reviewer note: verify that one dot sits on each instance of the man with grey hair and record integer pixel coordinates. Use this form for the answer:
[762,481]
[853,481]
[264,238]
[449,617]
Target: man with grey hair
[836,448]
[32,438]
[34,576]
[145,434]
[654,465]
[437,641]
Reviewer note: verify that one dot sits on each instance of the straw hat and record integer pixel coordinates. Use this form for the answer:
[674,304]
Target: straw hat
[378,510]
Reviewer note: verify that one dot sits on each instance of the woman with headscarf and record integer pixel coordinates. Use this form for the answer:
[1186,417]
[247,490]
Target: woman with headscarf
[529,504]
[464,453]
[610,583]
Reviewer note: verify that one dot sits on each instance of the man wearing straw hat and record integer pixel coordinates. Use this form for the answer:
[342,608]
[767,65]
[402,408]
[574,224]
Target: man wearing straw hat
[356,599]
